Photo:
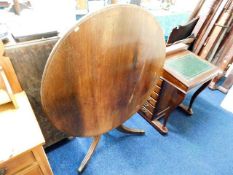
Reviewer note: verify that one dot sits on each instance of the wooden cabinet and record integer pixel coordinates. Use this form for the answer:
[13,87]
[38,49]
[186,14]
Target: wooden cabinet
[170,91]
[21,151]
[32,162]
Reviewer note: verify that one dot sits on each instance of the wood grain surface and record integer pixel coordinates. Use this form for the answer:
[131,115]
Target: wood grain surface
[102,71]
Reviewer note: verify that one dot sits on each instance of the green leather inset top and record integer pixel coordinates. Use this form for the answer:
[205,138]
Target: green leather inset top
[188,66]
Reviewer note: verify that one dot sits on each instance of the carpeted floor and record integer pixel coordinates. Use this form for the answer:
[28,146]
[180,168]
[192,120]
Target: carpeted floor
[197,145]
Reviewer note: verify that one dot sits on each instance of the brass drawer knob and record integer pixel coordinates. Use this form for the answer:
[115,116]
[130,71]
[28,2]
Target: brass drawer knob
[143,109]
[146,104]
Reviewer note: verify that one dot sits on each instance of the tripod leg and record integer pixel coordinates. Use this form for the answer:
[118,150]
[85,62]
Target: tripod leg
[92,148]
[127,130]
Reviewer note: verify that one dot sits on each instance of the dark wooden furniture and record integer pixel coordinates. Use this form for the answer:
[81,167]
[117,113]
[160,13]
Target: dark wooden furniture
[28,60]
[172,88]
[182,31]
[22,37]
[102,71]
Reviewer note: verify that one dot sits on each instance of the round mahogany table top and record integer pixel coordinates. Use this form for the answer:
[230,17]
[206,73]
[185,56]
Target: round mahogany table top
[103,70]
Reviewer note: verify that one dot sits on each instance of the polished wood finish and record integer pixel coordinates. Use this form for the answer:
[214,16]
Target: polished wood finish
[182,31]
[96,140]
[188,109]
[172,92]
[202,78]
[127,130]
[91,150]
[102,71]
[169,99]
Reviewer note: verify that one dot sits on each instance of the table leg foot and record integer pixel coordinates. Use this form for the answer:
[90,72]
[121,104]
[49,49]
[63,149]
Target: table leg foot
[127,130]
[186,109]
[160,127]
[212,86]
[91,150]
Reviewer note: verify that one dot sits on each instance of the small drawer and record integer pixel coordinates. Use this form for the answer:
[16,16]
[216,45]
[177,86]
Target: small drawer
[159,83]
[154,95]
[157,89]
[146,113]
[17,163]
[149,107]
[152,101]
[34,169]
